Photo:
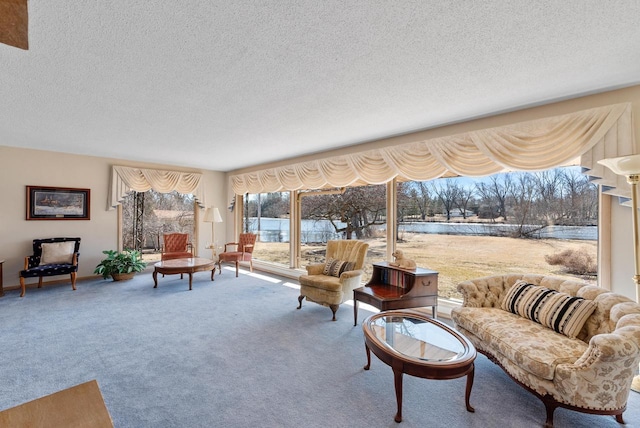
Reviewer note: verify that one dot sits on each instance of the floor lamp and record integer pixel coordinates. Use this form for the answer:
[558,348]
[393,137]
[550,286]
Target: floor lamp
[212,215]
[629,166]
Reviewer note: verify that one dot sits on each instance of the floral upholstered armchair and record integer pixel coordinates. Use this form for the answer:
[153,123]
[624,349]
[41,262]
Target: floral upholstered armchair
[332,283]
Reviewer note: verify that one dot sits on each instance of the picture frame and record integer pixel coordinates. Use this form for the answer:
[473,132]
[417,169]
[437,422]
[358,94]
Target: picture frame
[58,203]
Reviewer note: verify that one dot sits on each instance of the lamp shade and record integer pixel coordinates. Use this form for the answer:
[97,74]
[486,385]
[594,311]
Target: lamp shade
[624,165]
[212,215]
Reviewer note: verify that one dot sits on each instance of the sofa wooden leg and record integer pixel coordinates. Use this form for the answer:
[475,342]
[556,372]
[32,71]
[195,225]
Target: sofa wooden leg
[73,280]
[334,308]
[300,298]
[39,282]
[23,287]
[550,408]
[619,419]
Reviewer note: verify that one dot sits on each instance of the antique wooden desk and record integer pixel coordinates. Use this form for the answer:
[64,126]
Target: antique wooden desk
[394,288]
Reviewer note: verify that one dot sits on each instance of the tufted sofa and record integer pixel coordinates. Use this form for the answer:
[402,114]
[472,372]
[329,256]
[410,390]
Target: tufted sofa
[590,373]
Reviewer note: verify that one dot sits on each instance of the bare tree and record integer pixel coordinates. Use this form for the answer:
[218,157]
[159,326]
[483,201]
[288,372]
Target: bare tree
[581,197]
[421,194]
[357,209]
[446,190]
[522,196]
[549,193]
[463,198]
[496,191]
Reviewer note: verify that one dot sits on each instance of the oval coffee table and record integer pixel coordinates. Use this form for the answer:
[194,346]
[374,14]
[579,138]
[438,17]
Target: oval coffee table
[182,266]
[411,342]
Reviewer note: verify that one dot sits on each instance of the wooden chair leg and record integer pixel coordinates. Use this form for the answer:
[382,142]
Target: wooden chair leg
[334,308]
[23,287]
[237,265]
[73,281]
[251,265]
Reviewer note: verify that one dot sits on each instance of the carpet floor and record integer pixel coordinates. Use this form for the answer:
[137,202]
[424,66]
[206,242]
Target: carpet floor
[235,353]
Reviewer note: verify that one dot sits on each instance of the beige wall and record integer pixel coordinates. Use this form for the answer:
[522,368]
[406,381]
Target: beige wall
[22,167]
[621,271]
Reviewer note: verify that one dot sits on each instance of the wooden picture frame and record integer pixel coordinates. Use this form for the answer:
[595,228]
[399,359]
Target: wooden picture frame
[58,203]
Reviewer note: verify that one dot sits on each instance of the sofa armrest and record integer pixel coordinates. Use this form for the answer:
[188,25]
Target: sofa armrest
[315,268]
[606,369]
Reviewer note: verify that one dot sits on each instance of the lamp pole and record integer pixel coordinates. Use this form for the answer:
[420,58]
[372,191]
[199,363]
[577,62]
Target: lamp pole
[633,180]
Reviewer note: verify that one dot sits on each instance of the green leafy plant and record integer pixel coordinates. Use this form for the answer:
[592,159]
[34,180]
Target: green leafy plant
[127,261]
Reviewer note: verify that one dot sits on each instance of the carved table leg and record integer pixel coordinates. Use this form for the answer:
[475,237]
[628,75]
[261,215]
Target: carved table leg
[467,393]
[213,271]
[368,357]
[355,312]
[155,278]
[397,376]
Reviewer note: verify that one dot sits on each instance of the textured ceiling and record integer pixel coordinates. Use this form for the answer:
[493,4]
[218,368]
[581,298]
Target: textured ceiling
[223,85]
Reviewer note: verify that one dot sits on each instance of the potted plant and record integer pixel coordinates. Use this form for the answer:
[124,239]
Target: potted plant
[120,265]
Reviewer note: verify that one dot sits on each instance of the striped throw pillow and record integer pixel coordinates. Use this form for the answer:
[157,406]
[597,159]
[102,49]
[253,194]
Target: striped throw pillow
[561,312]
[335,267]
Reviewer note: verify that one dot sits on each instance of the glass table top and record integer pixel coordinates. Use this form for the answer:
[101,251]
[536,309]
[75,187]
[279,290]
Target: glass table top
[417,338]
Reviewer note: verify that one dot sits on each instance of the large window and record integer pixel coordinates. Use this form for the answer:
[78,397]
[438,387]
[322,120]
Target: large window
[351,213]
[543,223]
[267,215]
[146,216]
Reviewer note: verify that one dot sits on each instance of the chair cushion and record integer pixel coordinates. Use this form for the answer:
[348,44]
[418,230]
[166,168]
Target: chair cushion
[559,311]
[325,282]
[335,267]
[533,347]
[170,256]
[48,270]
[57,253]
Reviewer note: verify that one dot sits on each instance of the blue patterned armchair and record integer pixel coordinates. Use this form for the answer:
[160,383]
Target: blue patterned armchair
[51,256]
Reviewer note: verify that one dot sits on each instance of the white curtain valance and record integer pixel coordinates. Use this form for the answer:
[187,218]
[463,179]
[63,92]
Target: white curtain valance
[125,179]
[528,146]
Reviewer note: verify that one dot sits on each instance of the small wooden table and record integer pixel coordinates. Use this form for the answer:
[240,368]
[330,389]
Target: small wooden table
[391,287]
[414,343]
[182,266]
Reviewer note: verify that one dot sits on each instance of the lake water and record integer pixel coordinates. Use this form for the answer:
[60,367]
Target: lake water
[277,230]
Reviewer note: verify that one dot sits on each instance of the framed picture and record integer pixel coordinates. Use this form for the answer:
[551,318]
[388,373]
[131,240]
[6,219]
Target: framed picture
[57,203]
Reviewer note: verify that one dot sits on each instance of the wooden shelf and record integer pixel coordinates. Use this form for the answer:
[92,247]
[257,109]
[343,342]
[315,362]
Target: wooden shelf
[393,288]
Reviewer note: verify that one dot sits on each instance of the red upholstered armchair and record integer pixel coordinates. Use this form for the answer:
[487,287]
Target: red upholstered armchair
[243,251]
[176,246]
